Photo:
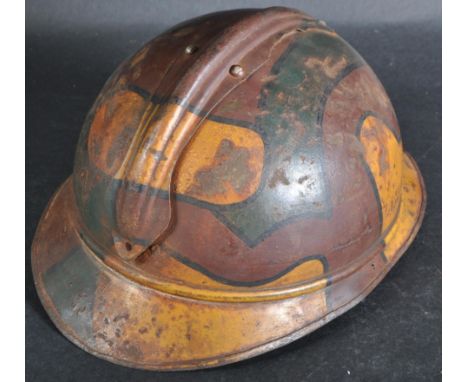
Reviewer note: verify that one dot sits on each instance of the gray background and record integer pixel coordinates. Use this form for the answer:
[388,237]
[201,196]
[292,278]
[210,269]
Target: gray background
[72,46]
[70,14]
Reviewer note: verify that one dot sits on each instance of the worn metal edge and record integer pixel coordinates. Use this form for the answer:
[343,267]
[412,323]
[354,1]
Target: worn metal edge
[257,350]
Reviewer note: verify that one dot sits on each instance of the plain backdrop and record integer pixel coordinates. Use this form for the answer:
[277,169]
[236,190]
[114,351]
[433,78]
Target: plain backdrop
[72,46]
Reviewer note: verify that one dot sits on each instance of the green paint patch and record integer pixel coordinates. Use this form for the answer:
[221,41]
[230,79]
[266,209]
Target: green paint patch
[295,98]
[71,285]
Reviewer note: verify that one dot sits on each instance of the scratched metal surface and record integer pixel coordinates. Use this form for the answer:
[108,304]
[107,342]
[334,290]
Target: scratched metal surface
[393,335]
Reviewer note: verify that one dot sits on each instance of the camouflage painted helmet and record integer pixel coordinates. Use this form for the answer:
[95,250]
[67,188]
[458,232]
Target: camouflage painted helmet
[239,182]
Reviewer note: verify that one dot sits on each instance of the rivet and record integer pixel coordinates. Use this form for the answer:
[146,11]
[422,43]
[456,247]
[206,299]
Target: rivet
[190,49]
[236,71]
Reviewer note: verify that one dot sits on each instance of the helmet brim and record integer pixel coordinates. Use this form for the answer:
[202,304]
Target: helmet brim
[134,325]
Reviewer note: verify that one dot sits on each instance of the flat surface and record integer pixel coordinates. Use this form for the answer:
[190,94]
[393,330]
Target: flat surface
[394,335]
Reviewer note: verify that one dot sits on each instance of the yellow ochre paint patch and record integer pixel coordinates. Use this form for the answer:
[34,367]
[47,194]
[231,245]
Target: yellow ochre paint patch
[140,325]
[111,131]
[383,154]
[222,163]
[163,265]
[410,209]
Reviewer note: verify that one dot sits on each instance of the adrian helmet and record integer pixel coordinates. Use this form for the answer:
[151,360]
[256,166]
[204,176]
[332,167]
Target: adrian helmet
[239,182]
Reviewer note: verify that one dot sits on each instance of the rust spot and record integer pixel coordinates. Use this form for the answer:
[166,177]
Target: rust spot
[269,78]
[279,176]
[328,65]
[230,249]
[263,113]
[229,106]
[137,73]
[383,160]
[154,309]
[81,310]
[335,139]
[313,141]
[131,351]
[294,122]
[143,257]
[143,330]
[302,179]
[281,96]
[381,148]
[159,332]
[188,334]
[123,316]
[170,351]
[229,170]
[103,337]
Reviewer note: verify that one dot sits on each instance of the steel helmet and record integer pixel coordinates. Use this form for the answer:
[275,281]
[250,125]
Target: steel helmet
[239,182]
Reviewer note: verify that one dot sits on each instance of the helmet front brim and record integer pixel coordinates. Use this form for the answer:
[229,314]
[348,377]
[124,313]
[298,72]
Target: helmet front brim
[129,323]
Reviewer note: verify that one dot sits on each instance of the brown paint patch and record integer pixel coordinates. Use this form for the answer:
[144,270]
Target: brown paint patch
[139,56]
